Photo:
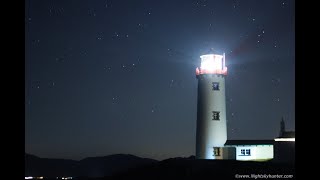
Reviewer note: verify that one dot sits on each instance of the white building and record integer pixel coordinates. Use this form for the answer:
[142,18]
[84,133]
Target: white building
[257,150]
[284,145]
[280,149]
[211,133]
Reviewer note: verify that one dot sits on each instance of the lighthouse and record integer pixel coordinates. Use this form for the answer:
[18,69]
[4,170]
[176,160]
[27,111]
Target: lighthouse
[211,131]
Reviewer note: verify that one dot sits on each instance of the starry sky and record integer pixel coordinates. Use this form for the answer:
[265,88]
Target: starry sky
[118,76]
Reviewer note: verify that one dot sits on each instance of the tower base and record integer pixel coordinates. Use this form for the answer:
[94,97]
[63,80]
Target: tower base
[222,153]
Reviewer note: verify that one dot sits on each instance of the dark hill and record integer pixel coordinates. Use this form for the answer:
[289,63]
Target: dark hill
[88,167]
[109,165]
[35,166]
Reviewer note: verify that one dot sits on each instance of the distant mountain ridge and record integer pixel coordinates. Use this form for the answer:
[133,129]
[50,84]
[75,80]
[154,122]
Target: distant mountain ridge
[88,167]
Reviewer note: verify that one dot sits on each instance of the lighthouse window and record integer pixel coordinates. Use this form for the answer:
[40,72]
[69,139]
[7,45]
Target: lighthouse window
[215,86]
[216,151]
[215,115]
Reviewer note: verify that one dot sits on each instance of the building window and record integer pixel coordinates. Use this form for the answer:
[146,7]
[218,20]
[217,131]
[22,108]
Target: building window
[215,115]
[216,151]
[242,152]
[245,152]
[215,86]
[248,152]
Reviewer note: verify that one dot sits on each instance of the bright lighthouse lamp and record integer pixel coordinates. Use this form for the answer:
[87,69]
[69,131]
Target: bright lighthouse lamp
[212,64]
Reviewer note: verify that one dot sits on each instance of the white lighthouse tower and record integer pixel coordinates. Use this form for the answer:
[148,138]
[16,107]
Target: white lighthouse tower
[211,111]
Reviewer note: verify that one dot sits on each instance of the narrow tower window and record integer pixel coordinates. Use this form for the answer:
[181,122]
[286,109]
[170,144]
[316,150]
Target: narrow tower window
[215,86]
[216,151]
[215,115]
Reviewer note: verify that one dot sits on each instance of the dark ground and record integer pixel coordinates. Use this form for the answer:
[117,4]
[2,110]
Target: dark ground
[131,167]
[204,169]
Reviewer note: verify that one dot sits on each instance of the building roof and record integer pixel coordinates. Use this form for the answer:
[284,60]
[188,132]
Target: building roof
[288,134]
[250,142]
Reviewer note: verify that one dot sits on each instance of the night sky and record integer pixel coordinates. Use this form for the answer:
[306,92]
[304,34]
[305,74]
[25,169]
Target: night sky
[118,76]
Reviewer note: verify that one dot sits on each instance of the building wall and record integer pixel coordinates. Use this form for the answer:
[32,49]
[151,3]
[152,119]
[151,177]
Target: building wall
[253,152]
[264,152]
